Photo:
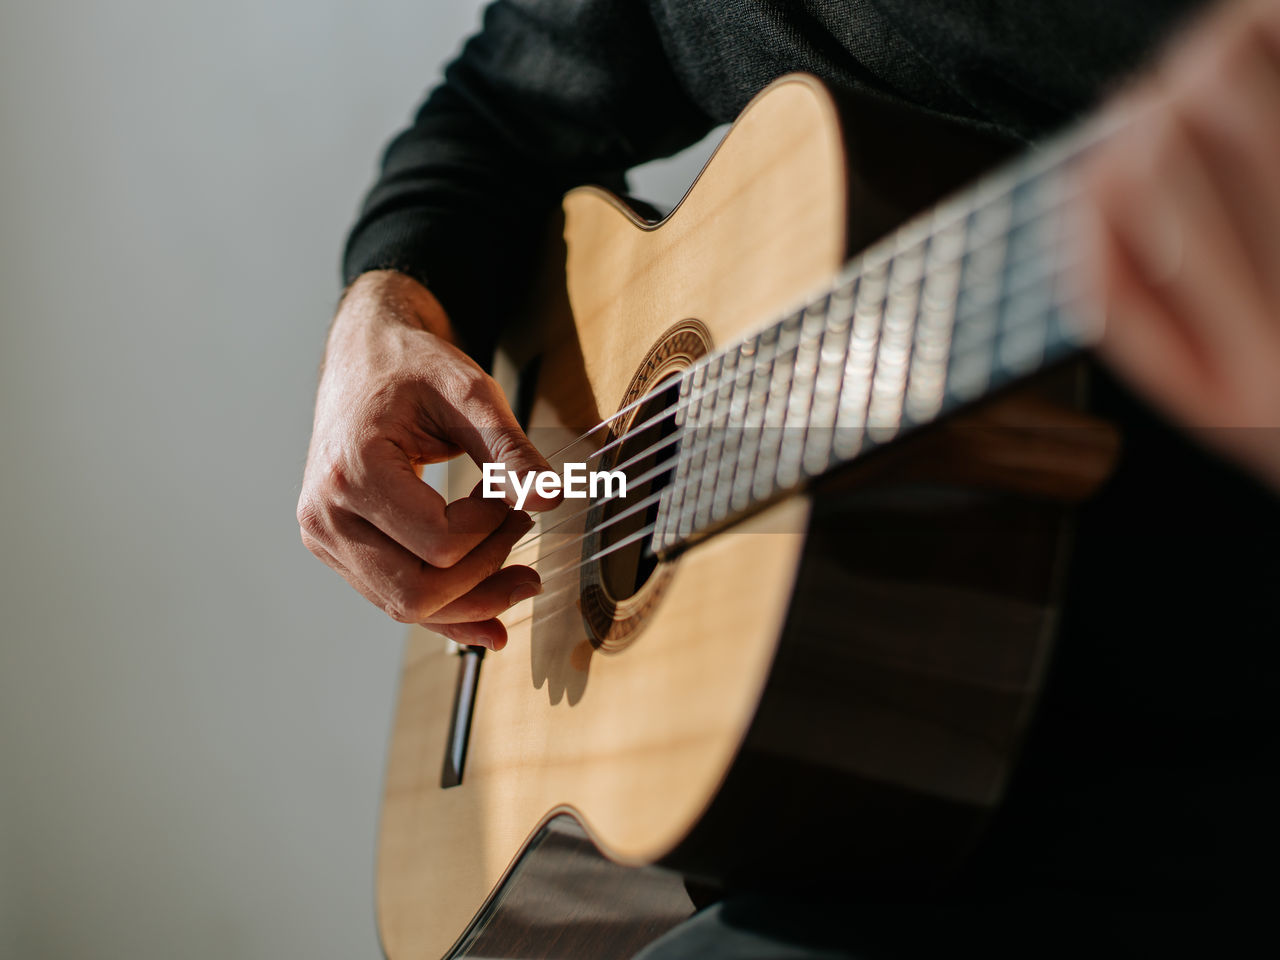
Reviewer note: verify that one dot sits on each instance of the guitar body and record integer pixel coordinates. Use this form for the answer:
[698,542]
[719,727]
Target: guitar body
[837,682]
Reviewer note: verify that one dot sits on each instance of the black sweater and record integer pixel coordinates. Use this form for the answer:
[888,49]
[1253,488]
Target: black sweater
[556,93]
[1150,778]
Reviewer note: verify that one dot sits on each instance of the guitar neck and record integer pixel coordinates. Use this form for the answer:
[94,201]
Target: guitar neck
[956,304]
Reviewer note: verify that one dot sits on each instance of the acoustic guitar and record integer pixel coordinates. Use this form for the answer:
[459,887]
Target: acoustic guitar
[809,638]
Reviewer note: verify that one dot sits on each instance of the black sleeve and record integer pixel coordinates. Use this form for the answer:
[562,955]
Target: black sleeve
[550,94]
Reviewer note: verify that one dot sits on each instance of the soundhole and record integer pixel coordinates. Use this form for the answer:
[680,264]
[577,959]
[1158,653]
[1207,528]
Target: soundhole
[623,579]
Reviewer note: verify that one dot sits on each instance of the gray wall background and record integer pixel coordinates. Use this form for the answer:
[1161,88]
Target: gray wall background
[193,711]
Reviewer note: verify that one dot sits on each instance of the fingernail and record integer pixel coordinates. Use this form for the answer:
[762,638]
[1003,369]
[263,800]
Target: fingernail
[526,590]
[524,519]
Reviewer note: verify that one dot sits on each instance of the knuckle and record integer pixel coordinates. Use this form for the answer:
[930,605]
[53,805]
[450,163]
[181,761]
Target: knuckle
[389,406]
[411,600]
[309,519]
[445,550]
[339,482]
[467,383]
[365,452]
[476,381]
[404,606]
[397,613]
[315,524]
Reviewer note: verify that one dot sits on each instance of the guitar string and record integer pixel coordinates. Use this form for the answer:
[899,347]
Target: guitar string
[631,511]
[881,254]
[1055,268]
[636,481]
[562,572]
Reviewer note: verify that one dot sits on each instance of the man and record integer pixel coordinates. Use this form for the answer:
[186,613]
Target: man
[1156,721]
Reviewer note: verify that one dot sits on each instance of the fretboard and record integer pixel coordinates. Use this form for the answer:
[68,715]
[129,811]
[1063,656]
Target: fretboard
[953,306]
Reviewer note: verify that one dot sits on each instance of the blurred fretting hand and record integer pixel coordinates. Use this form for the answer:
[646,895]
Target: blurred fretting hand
[1182,237]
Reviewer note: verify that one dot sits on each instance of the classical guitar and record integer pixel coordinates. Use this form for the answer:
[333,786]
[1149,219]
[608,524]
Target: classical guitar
[810,635]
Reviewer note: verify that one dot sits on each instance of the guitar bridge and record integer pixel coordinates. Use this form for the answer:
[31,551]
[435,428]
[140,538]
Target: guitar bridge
[464,701]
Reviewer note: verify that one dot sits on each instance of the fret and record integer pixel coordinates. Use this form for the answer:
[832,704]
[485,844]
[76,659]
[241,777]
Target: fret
[738,457]
[775,409]
[703,446]
[1037,244]
[689,400]
[800,401]
[819,440]
[714,458]
[714,502]
[889,382]
[926,378]
[855,388]
[753,421]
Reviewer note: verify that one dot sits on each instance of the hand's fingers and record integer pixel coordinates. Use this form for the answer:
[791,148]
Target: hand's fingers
[383,487]
[1146,343]
[1229,96]
[485,633]
[503,590]
[1153,191]
[479,420]
[409,590]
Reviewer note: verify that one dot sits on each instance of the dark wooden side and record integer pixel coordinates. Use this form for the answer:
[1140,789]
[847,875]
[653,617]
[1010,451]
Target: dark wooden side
[565,900]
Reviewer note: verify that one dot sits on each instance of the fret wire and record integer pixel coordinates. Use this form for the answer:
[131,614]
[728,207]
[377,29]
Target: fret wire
[820,447]
[739,404]
[671,507]
[774,409]
[713,453]
[897,333]
[729,441]
[731,438]
[859,365]
[800,399]
[684,516]
[702,439]
[753,422]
